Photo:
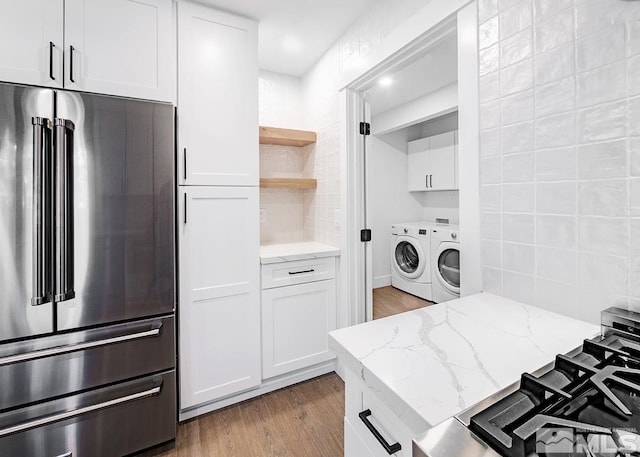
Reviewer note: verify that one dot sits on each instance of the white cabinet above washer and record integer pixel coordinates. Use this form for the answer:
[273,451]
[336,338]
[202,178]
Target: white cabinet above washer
[433,163]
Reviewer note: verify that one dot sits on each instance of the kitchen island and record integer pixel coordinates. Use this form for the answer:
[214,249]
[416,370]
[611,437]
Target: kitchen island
[406,373]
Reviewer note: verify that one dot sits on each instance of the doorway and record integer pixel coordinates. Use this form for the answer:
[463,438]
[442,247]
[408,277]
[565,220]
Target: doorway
[414,94]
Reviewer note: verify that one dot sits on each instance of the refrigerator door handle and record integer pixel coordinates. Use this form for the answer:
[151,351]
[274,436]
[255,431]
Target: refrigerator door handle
[153,332]
[41,240]
[63,191]
[80,411]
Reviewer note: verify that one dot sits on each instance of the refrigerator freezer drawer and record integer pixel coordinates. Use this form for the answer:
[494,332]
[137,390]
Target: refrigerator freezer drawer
[108,422]
[32,371]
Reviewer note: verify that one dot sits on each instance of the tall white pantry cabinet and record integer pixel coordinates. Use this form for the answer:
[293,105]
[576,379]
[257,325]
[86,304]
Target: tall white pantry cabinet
[218,226]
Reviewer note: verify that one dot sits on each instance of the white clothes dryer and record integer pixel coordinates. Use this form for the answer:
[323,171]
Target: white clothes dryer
[445,268]
[410,261]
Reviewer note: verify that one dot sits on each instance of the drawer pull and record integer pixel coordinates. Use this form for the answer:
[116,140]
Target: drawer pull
[79,347]
[390,448]
[301,272]
[77,412]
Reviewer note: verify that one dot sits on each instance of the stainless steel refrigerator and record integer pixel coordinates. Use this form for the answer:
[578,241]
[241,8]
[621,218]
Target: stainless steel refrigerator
[87,274]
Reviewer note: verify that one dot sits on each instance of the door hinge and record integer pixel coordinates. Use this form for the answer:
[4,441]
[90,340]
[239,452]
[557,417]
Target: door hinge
[365,128]
[365,235]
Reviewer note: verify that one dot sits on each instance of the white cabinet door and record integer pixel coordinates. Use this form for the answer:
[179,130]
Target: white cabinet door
[353,444]
[219,309]
[296,321]
[120,47]
[31,33]
[218,97]
[442,163]
[418,162]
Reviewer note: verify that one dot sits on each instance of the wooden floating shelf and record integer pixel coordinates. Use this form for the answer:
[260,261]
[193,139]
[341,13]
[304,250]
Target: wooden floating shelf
[289,183]
[286,137]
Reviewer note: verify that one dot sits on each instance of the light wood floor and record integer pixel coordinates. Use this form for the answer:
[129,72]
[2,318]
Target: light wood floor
[304,420]
[388,301]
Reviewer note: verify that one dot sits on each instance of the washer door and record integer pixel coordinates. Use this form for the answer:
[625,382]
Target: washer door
[448,267]
[408,257]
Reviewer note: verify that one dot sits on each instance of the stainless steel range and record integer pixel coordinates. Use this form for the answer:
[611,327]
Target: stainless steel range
[87,294]
[586,403]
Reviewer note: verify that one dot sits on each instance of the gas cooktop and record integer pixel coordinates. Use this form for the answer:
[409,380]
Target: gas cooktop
[586,403]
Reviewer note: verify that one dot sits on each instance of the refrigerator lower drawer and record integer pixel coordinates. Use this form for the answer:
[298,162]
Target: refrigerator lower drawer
[107,422]
[34,370]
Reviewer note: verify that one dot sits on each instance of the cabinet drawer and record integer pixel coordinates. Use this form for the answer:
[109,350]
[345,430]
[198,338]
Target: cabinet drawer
[110,422]
[361,401]
[84,360]
[298,272]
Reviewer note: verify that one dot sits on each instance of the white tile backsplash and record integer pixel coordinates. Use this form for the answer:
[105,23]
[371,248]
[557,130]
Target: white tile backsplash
[604,198]
[554,31]
[601,48]
[516,108]
[603,160]
[556,164]
[602,122]
[557,264]
[515,19]
[517,227]
[519,258]
[518,198]
[518,138]
[554,64]
[556,97]
[489,33]
[604,235]
[556,131]
[556,231]
[556,198]
[581,205]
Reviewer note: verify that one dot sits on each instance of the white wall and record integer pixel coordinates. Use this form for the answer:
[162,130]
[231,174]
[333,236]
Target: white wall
[321,109]
[389,200]
[560,153]
[282,210]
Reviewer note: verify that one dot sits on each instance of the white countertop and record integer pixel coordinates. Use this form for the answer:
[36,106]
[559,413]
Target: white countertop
[428,365]
[275,253]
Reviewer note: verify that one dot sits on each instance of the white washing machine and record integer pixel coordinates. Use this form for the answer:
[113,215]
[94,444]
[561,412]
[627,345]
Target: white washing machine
[410,258]
[445,266]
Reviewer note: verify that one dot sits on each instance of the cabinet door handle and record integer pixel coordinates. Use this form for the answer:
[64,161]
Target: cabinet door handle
[431,181]
[426,181]
[185,207]
[301,272]
[51,46]
[184,160]
[71,49]
[390,448]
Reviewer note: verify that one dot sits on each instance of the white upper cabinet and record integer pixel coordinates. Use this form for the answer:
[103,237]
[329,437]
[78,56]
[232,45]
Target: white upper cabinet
[31,33]
[120,47]
[218,98]
[433,163]
[113,47]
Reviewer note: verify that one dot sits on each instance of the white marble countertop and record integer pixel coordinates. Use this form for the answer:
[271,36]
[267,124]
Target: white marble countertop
[287,252]
[428,365]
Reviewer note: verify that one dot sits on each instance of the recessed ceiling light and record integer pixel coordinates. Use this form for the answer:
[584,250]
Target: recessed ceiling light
[292,44]
[385,81]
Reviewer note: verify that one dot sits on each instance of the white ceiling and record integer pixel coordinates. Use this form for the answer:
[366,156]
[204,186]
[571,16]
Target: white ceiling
[435,69]
[294,34]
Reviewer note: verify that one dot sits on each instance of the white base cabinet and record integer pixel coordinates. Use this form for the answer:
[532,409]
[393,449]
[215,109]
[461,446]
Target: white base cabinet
[296,321]
[360,440]
[219,309]
[299,309]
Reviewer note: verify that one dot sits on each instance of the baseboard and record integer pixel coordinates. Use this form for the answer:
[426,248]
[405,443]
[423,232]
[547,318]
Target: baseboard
[381,281]
[267,386]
